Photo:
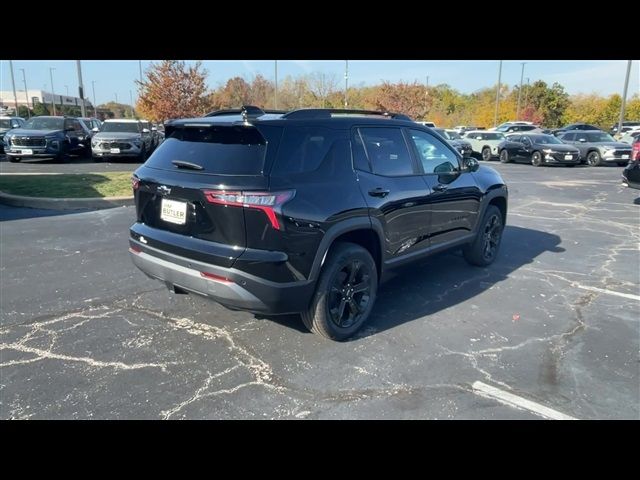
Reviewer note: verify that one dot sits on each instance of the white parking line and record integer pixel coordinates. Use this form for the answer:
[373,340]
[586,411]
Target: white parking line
[609,292]
[512,400]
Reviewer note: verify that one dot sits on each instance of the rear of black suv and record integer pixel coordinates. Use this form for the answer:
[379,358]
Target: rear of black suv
[270,213]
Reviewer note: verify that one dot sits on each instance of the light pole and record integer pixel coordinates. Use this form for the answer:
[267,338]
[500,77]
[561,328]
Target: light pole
[26,93]
[495,116]
[140,67]
[275,92]
[13,85]
[624,97]
[526,95]
[81,89]
[95,105]
[116,98]
[520,92]
[131,98]
[67,88]
[346,81]
[53,93]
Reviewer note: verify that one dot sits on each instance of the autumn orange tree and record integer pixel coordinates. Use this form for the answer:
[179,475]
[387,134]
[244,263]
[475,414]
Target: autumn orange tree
[172,90]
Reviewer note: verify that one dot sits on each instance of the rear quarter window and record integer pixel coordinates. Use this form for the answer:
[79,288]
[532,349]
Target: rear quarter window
[305,149]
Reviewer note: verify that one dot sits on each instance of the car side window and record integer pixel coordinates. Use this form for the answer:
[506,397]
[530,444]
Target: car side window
[433,154]
[387,151]
[570,137]
[515,138]
[360,161]
[77,127]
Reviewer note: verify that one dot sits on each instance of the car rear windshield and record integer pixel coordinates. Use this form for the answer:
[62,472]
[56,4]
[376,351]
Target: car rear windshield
[45,123]
[219,150]
[128,127]
[5,123]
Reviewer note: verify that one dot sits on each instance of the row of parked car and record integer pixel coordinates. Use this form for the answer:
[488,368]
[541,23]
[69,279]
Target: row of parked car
[58,137]
[525,142]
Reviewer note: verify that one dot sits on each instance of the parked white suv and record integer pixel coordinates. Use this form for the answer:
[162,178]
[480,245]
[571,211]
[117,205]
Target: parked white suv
[484,143]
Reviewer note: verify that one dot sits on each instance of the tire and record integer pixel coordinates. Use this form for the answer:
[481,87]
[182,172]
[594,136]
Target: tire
[489,232]
[536,159]
[622,164]
[593,159]
[97,159]
[571,166]
[143,154]
[331,313]
[504,156]
[486,154]
[14,159]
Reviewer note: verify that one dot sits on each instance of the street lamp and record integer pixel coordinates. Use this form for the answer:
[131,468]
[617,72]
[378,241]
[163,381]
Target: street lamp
[346,81]
[53,93]
[520,92]
[495,116]
[26,94]
[95,105]
[67,88]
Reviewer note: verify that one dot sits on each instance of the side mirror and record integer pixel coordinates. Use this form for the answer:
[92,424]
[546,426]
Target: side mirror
[145,130]
[479,137]
[471,164]
[15,125]
[95,129]
[154,129]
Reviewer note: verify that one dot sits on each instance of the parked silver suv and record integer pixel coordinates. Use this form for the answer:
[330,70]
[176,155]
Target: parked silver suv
[122,138]
[597,147]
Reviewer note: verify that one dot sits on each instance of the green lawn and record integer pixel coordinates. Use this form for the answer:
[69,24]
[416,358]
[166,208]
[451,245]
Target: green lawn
[86,185]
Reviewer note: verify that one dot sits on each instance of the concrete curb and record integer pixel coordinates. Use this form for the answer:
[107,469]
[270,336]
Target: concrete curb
[64,203]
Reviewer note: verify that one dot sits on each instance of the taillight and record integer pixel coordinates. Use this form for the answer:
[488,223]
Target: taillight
[135,182]
[269,202]
[135,250]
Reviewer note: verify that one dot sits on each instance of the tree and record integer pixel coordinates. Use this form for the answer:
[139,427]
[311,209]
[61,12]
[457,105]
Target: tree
[173,90]
[235,93]
[551,103]
[40,109]
[407,98]
[23,112]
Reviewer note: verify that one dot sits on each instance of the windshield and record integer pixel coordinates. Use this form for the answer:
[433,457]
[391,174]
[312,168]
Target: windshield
[453,135]
[5,123]
[487,135]
[128,127]
[45,123]
[599,137]
[544,139]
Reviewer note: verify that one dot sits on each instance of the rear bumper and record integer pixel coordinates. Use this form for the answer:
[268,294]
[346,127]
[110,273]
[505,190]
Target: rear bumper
[233,288]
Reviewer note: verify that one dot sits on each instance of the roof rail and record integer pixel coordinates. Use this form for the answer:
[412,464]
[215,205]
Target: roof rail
[325,113]
[246,110]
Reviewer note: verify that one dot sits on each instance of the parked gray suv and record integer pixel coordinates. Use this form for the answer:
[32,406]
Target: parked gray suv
[122,138]
[597,147]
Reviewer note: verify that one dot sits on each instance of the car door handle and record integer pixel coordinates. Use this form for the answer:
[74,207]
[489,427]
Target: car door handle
[378,192]
[440,188]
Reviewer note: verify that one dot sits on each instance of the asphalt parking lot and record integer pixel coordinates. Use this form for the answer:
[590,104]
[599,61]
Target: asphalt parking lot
[76,164]
[555,321]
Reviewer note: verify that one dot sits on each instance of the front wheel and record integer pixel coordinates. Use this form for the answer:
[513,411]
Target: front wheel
[536,159]
[486,154]
[345,293]
[484,249]
[593,159]
[15,159]
[622,164]
[504,156]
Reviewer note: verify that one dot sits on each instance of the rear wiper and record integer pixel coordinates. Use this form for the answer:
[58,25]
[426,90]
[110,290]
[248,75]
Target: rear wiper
[183,164]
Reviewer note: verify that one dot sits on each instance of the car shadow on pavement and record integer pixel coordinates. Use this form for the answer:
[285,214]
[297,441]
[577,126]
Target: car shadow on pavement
[8,213]
[437,283]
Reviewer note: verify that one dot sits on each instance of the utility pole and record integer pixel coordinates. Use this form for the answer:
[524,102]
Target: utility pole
[67,89]
[95,105]
[116,98]
[140,67]
[53,94]
[13,85]
[131,98]
[624,97]
[81,89]
[520,92]
[346,82]
[26,94]
[526,95]
[495,116]
[275,92]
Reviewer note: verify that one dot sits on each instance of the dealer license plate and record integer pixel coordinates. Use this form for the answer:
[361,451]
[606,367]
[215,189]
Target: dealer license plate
[173,211]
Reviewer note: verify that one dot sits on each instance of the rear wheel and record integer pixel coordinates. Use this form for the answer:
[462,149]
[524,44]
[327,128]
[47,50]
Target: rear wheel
[486,154]
[345,293]
[593,159]
[536,159]
[504,156]
[484,249]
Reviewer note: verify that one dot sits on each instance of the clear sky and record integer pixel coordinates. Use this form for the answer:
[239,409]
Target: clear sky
[117,77]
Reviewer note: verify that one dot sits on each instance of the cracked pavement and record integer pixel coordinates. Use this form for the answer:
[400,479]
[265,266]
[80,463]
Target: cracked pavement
[555,320]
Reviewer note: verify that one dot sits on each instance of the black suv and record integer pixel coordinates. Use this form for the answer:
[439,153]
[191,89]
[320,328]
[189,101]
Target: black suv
[303,212]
